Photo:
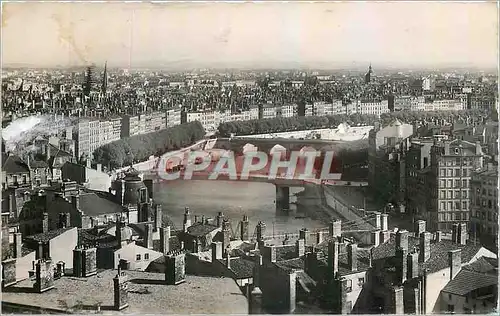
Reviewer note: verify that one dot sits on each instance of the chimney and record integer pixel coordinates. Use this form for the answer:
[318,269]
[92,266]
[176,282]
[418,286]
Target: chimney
[375,238]
[304,234]
[99,167]
[438,236]
[402,239]
[89,163]
[446,148]
[377,220]
[165,239]
[401,265]
[425,246]
[301,247]
[148,236]
[196,219]
[385,223]
[75,202]
[462,234]
[419,227]
[397,301]
[352,257]
[45,223]
[269,254]
[333,257]
[479,150]
[220,218]
[412,263]
[454,233]
[319,237]
[261,230]
[40,252]
[158,220]
[244,234]
[202,219]
[455,262]
[226,235]
[385,235]
[228,260]
[18,243]
[187,219]
[216,251]
[335,228]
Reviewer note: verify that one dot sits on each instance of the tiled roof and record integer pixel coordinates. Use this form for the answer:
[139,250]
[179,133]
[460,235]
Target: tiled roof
[286,252]
[466,281]
[201,229]
[483,265]
[14,164]
[439,252]
[44,237]
[291,264]
[94,205]
[242,268]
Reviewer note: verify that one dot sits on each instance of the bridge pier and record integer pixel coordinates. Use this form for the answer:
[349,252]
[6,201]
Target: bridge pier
[282,198]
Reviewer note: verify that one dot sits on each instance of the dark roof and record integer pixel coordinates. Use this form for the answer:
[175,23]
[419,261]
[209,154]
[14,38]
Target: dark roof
[38,164]
[242,268]
[483,265]
[201,229]
[285,252]
[291,264]
[174,243]
[93,204]
[467,281]
[58,152]
[86,236]
[439,252]
[24,250]
[44,237]
[14,164]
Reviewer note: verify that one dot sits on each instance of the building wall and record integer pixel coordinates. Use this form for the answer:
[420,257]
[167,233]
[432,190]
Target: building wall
[24,265]
[61,247]
[131,251]
[356,290]
[464,306]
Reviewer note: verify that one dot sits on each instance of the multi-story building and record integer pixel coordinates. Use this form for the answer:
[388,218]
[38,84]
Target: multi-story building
[289,110]
[93,133]
[269,111]
[173,117]
[452,163]
[373,107]
[484,205]
[209,119]
[446,105]
[130,125]
[409,103]
[386,167]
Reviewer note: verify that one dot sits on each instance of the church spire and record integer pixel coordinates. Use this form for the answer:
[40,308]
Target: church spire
[105,78]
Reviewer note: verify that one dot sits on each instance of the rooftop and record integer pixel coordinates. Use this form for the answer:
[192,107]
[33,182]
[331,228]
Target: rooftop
[51,234]
[147,294]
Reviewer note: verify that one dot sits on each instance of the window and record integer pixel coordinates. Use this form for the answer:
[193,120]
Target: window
[451,308]
[464,172]
[464,205]
[457,183]
[457,205]
[457,172]
[361,281]
[138,257]
[443,172]
[443,206]
[464,183]
[348,286]
[146,256]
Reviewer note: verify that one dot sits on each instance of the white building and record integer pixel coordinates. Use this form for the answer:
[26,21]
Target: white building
[268,111]
[446,105]
[289,110]
[373,107]
[173,117]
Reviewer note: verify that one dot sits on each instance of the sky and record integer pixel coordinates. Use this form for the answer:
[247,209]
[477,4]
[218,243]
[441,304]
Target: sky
[413,34]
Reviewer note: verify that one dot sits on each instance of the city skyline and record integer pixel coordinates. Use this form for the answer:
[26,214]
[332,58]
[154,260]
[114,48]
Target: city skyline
[286,35]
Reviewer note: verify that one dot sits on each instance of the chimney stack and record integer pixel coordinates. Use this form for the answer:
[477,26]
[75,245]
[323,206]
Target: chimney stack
[165,239]
[45,223]
[220,218]
[438,236]
[335,228]
[226,233]
[455,262]
[454,233]
[216,251]
[385,222]
[304,234]
[187,219]
[425,246]
[375,238]
[158,217]
[402,239]
[385,235]
[462,234]
[301,247]
[479,150]
[75,201]
[148,236]
[319,237]
[99,167]
[352,257]
[64,220]
[228,260]
[377,222]
[18,244]
[244,233]
[419,227]
[269,254]
[401,265]
[412,262]
[261,230]
[333,257]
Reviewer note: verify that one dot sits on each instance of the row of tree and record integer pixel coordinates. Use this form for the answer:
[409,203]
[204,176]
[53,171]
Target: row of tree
[296,123]
[288,124]
[138,148]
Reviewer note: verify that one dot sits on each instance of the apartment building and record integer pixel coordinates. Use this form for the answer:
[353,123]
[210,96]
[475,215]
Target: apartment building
[446,105]
[94,132]
[484,205]
[270,111]
[209,119]
[409,103]
[452,164]
[289,110]
[373,107]
[173,117]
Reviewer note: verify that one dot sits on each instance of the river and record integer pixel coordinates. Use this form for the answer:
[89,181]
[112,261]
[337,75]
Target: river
[234,199]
